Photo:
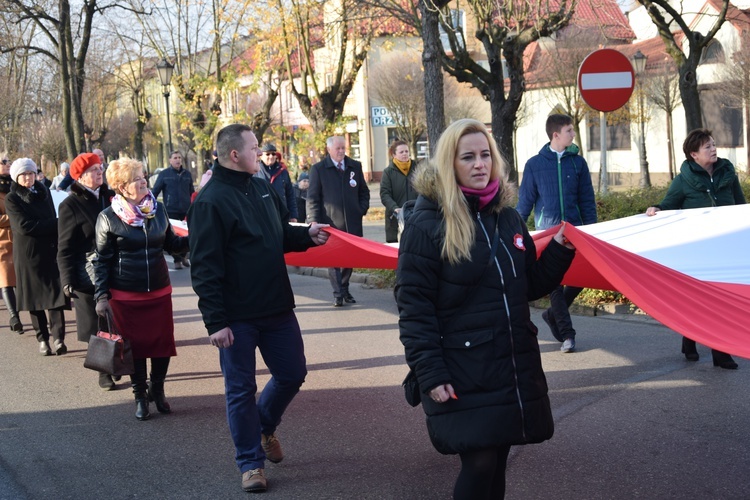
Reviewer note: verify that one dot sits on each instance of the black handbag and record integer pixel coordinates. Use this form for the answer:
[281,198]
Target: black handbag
[411,389]
[109,352]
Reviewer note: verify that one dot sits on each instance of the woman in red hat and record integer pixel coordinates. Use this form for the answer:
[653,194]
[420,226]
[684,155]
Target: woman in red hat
[76,248]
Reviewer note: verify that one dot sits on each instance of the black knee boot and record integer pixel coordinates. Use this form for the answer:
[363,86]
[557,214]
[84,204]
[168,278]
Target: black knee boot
[140,390]
[159,368]
[9,297]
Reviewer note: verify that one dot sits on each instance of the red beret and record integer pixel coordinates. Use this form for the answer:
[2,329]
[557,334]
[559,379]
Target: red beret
[83,162]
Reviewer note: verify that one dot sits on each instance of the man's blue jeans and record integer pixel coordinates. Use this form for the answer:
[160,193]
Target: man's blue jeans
[280,343]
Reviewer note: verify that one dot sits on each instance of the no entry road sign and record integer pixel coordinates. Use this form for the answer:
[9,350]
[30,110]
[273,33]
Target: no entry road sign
[606,80]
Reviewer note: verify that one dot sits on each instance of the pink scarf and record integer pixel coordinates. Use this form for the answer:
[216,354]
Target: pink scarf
[134,215]
[485,195]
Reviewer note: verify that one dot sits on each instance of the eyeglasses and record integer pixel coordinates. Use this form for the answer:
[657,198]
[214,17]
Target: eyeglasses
[5,161]
[269,153]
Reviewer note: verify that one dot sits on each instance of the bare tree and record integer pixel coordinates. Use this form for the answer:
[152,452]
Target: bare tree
[685,45]
[198,38]
[662,90]
[345,28]
[504,31]
[64,37]
[398,83]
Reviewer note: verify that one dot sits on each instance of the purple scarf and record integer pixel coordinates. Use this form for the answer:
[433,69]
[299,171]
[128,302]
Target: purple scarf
[485,195]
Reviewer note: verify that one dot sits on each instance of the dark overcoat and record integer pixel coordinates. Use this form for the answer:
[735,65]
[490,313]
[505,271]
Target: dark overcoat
[77,235]
[34,224]
[338,198]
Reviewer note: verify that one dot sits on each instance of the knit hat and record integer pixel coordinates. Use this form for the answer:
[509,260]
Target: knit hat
[304,176]
[20,166]
[268,147]
[83,162]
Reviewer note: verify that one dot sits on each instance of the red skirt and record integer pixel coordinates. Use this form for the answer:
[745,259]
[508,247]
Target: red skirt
[145,319]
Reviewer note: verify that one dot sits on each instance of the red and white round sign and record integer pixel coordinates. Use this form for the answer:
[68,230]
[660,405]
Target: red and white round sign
[606,80]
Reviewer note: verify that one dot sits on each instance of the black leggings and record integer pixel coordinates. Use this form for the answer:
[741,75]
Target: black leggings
[482,475]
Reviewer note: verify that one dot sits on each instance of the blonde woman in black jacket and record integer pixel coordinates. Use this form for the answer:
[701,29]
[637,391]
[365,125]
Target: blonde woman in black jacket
[132,278]
[466,272]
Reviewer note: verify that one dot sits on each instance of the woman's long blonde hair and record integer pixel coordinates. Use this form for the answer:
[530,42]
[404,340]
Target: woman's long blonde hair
[459,224]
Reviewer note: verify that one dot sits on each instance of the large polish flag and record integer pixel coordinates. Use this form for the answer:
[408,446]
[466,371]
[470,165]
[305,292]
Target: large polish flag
[688,269]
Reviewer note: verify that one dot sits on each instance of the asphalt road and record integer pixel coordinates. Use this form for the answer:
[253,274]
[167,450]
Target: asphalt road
[633,418]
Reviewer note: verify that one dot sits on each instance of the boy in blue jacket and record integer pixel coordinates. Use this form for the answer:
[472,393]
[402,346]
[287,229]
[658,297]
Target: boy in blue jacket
[556,185]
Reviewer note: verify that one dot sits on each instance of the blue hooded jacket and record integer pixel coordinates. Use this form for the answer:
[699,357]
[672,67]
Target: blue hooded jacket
[557,189]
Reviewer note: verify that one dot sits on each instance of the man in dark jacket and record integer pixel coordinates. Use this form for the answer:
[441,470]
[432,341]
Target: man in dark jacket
[176,187]
[239,232]
[277,174]
[556,184]
[338,196]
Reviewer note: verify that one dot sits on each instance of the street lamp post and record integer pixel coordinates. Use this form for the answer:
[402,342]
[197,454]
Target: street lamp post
[639,64]
[165,75]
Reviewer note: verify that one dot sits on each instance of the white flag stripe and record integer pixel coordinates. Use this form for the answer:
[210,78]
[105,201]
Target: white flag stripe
[598,81]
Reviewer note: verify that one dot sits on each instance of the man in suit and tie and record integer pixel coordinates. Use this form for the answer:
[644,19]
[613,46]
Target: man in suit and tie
[339,196]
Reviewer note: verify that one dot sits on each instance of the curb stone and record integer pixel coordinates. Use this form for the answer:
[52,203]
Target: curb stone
[622,311]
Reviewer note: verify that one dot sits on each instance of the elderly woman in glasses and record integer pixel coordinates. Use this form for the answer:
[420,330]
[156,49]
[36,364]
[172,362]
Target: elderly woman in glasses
[34,224]
[132,279]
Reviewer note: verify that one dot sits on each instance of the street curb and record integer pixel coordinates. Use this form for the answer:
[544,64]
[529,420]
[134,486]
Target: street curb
[322,272]
[620,310]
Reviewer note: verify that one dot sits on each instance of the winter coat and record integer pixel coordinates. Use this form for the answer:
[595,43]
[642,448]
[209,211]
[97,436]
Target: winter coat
[76,227]
[469,325]
[395,190]
[7,273]
[278,176]
[695,188]
[177,187]
[240,231]
[131,258]
[34,225]
[557,189]
[338,198]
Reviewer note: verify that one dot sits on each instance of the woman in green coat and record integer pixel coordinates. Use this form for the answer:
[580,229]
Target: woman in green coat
[705,180]
[395,187]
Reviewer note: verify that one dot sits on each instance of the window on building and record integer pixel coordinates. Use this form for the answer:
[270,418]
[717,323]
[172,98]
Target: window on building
[329,79]
[618,132]
[713,54]
[458,23]
[291,101]
[723,117]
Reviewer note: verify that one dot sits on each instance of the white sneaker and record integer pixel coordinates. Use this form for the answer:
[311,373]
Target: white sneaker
[569,345]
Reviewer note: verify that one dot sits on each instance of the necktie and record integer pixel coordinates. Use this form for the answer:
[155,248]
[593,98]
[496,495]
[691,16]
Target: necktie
[341,166]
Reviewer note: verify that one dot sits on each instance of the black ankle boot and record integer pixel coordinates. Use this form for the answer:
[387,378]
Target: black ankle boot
[9,297]
[159,367]
[140,389]
[156,394]
[141,407]
[689,349]
[723,360]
